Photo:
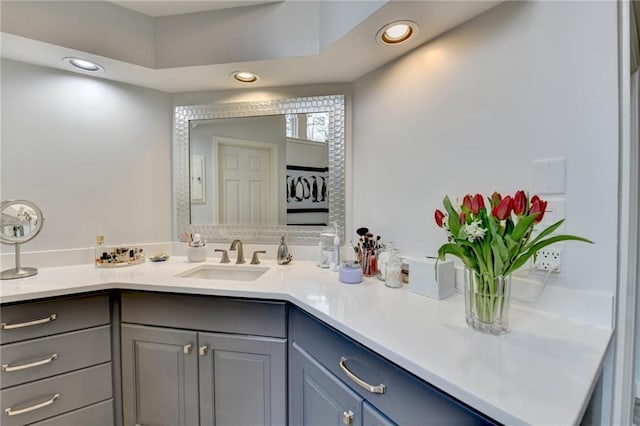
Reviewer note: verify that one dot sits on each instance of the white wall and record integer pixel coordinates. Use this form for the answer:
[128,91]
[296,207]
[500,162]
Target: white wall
[93,154]
[470,112]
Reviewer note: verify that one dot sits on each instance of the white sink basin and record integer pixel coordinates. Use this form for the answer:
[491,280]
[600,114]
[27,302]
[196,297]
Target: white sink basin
[225,272]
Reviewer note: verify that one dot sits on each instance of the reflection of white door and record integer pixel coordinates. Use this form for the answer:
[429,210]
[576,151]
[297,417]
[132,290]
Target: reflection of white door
[247,195]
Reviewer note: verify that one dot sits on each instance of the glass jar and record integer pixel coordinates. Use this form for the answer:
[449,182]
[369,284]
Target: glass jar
[326,249]
[393,270]
[383,258]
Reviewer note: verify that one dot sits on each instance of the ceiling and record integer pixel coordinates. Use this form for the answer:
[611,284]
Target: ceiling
[186,46]
[176,7]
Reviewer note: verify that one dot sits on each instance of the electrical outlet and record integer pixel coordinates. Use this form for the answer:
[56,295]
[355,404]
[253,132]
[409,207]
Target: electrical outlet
[549,258]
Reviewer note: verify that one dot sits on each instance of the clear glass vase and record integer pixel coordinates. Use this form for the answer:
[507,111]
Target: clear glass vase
[487,302]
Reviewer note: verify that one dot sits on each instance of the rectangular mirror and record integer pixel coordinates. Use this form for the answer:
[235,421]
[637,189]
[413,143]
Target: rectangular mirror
[260,170]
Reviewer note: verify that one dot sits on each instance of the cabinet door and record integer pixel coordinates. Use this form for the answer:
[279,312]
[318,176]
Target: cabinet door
[242,380]
[317,397]
[159,376]
[373,417]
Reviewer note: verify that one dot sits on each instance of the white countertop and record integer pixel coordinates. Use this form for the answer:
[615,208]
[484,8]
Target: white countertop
[541,372]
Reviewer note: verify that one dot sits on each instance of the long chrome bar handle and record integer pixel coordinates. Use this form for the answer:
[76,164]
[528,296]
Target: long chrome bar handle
[358,381]
[11,412]
[8,368]
[5,326]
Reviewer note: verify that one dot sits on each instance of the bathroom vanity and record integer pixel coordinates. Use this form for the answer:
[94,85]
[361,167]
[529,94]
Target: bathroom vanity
[211,350]
[57,362]
[143,345]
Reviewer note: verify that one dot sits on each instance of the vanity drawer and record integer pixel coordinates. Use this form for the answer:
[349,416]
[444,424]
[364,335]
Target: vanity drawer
[46,398]
[100,414]
[406,398]
[227,315]
[36,319]
[47,356]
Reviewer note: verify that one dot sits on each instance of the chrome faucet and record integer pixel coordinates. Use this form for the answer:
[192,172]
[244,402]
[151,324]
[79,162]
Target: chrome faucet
[237,245]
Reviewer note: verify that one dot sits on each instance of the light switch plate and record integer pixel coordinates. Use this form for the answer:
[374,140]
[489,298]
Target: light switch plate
[554,212]
[549,176]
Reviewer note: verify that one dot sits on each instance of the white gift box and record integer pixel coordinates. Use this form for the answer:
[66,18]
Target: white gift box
[427,279]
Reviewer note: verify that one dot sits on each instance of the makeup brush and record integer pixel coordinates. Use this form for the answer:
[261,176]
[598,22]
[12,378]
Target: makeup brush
[362,231]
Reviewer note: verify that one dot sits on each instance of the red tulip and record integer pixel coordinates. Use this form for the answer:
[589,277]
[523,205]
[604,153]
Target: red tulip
[537,206]
[495,199]
[467,202]
[439,218]
[463,217]
[477,204]
[519,203]
[503,209]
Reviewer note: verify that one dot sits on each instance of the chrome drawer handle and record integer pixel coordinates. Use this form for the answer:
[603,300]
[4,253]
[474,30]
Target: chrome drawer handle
[8,368]
[202,351]
[5,326]
[10,412]
[347,417]
[358,381]
[187,349]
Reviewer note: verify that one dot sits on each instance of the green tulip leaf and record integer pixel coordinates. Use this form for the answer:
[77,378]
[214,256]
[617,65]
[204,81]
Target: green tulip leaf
[522,259]
[523,226]
[546,232]
[454,218]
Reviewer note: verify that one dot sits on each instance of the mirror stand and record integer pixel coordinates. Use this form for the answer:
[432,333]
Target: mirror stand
[20,221]
[18,271]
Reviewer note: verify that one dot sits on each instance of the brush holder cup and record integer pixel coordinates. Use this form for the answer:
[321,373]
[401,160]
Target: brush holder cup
[196,254]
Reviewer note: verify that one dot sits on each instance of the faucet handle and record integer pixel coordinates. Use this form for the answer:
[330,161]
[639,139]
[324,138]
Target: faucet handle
[225,256]
[254,258]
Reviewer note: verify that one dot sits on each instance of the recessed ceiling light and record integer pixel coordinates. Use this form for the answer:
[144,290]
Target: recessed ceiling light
[83,64]
[244,76]
[397,32]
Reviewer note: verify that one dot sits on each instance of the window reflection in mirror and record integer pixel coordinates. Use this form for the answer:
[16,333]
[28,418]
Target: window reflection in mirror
[312,126]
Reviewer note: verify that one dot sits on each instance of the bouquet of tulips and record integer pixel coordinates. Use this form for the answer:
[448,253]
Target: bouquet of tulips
[496,238]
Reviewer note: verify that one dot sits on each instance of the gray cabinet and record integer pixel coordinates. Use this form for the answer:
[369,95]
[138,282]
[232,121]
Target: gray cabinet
[56,362]
[339,375]
[318,397]
[373,417]
[203,375]
[242,380]
[159,376]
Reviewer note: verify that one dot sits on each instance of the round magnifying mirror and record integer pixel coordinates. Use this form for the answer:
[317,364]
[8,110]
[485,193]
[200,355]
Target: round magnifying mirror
[20,221]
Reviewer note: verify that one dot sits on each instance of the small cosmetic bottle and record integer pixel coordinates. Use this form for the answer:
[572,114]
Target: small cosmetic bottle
[100,248]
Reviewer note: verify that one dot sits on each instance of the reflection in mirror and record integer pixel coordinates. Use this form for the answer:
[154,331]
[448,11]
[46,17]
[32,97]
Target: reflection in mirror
[259,170]
[269,170]
[20,221]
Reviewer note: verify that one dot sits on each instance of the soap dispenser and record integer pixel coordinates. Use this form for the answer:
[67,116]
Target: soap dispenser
[334,265]
[284,256]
